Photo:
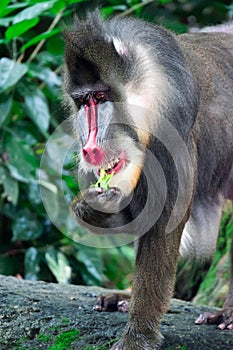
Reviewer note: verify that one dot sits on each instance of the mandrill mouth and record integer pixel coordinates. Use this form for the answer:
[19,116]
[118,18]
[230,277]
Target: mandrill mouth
[114,166]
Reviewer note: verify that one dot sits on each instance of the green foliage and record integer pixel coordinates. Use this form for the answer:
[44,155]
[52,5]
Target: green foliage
[54,339]
[30,88]
[64,340]
[213,290]
[103,180]
[31,56]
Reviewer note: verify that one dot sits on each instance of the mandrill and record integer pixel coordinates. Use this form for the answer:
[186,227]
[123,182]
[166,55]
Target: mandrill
[155,111]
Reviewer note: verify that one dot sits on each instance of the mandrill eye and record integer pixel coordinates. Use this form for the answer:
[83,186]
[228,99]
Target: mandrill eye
[100,96]
[80,100]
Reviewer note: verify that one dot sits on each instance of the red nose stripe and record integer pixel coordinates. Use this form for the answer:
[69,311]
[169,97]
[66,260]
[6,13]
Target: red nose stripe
[91,151]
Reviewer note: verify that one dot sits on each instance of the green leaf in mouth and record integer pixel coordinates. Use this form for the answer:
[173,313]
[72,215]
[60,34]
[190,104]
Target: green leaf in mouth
[104,180]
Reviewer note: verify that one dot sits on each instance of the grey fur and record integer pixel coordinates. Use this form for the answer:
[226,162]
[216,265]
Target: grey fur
[188,81]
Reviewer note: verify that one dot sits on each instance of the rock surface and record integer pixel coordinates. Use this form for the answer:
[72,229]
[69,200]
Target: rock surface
[39,315]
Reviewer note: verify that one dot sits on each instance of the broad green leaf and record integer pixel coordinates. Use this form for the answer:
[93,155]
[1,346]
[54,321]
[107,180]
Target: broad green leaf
[10,186]
[50,192]
[70,2]
[25,131]
[26,227]
[59,265]
[13,7]
[36,106]
[46,75]
[5,22]
[92,262]
[15,30]
[34,193]
[33,11]
[22,162]
[3,41]
[32,264]
[9,265]
[55,45]
[109,10]
[3,5]
[163,2]
[47,59]
[10,73]
[38,38]
[11,190]
[61,4]
[5,107]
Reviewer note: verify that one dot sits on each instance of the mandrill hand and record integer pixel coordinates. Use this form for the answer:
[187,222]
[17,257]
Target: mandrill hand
[112,302]
[99,208]
[99,199]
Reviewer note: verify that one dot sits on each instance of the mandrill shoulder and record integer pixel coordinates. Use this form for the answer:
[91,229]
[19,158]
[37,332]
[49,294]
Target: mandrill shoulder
[209,57]
[211,48]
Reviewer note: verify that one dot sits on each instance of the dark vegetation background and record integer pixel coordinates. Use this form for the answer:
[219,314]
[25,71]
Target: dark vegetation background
[31,55]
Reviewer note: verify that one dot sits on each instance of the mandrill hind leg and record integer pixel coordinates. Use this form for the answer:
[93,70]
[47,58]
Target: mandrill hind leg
[150,298]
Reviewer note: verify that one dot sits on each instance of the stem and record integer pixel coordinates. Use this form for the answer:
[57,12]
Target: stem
[135,7]
[41,43]
[19,60]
